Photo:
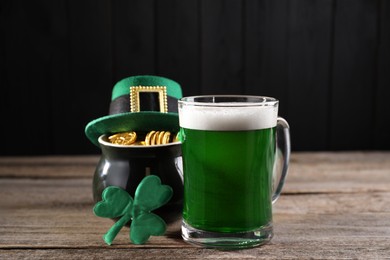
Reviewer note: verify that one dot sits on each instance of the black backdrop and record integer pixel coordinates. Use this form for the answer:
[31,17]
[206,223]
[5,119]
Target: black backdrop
[327,61]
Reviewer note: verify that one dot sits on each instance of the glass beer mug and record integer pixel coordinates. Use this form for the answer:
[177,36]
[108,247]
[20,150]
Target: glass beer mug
[235,157]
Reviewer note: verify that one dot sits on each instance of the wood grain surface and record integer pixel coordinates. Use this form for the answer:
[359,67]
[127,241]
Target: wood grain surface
[334,205]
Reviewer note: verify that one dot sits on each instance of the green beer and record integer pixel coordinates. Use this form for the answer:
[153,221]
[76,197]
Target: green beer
[229,150]
[227,180]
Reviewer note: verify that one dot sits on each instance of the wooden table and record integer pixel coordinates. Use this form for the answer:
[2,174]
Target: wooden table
[334,205]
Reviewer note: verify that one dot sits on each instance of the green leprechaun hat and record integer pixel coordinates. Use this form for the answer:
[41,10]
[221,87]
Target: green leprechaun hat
[139,103]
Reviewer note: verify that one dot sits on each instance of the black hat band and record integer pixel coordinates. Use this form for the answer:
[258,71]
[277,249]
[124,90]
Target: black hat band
[148,102]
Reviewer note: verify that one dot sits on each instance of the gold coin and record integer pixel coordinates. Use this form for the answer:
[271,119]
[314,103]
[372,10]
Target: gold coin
[125,138]
[159,137]
[153,140]
[148,137]
[165,138]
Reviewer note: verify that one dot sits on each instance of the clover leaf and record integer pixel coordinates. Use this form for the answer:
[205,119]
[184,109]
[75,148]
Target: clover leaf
[149,195]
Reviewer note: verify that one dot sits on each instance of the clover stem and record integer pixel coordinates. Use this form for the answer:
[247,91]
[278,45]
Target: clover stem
[114,230]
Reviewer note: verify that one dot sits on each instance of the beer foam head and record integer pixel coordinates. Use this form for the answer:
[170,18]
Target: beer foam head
[228,116]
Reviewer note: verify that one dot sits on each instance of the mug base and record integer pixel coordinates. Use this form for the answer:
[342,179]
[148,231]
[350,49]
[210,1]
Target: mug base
[227,241]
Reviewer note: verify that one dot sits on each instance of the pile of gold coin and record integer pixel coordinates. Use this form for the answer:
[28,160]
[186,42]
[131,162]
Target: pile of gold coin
[151,138]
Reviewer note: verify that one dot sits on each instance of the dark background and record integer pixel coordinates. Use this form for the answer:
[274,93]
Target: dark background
[327,61]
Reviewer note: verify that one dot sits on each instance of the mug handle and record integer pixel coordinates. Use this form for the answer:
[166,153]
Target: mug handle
[282,157]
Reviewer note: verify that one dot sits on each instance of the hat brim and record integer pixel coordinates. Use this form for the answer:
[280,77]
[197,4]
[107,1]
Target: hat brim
[141,121]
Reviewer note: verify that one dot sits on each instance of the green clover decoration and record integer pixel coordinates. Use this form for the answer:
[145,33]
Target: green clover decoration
[149,195]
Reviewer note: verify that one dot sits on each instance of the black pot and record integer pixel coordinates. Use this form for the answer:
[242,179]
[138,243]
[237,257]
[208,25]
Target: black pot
[125,166]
